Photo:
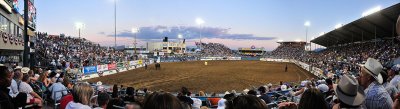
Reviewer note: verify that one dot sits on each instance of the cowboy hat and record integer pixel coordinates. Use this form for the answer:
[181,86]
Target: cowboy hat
[25,70]
[348,91]
[373,67]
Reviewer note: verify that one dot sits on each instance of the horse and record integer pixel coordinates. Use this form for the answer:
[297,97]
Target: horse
[158,66]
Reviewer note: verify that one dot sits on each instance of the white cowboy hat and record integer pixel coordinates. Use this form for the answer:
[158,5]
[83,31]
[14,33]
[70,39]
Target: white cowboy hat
[17,67]
[25,70]
[348,91]
[374,68]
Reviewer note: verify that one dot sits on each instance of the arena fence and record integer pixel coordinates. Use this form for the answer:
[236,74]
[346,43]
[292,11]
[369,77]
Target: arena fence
[89,72]
[313,70]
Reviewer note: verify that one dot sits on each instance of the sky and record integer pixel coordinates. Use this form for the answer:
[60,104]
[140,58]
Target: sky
[235,23]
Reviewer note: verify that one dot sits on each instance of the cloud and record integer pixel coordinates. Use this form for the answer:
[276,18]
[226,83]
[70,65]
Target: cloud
[188,32]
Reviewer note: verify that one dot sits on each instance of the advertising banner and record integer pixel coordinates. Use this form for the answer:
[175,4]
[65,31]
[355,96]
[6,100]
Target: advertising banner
[102,67]
[120,65]
[89,70]
[112,66]
[140,62]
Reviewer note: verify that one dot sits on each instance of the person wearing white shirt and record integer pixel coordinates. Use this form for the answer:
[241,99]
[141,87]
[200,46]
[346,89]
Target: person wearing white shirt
[32,97]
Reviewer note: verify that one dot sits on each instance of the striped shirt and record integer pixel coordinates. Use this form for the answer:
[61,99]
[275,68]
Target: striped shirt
[377,97]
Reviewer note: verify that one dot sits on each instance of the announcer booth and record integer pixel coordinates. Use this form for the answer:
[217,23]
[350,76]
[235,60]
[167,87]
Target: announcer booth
[252,51]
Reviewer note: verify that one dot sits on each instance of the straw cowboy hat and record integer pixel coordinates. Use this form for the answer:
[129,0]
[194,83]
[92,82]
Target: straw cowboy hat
[374,68]
[349,92]
[25,70]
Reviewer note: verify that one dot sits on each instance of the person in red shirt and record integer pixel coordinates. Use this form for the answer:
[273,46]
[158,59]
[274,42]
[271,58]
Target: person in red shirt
[65,100]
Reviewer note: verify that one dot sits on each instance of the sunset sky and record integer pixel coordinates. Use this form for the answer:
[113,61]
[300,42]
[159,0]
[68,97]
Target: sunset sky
[235,23]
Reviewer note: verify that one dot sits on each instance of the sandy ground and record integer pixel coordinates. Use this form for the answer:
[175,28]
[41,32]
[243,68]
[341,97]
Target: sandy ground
[217,76]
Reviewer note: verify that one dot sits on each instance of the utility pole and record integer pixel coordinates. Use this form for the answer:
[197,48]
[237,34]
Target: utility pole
[25,58]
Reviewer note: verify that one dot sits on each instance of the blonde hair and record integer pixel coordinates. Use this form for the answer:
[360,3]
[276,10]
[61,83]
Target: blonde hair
[82,92]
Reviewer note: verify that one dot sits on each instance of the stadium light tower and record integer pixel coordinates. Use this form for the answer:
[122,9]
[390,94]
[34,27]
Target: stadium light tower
[134,32]
[200,22]
[307,24]
[115,24]
[79,26]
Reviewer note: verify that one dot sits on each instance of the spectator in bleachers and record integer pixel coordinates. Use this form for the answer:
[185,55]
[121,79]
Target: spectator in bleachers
[65,100]
[43,78]
[394,75]
[215,50]
[115,91]
[5,82]
[14,86]
[246,102]
[130,95]
[184,96]
[371,79]
[161,100]
[252,92]
[58,90]
[115,103]
[349,93]
[102,100]
[392,90]
[32,97]
[82,92]
[312,99]
[264,96]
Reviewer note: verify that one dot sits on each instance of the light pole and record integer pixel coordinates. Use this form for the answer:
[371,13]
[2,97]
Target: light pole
[180,42]
[307,24]
[134,32]
[200,22]
[115,24]
[79,26]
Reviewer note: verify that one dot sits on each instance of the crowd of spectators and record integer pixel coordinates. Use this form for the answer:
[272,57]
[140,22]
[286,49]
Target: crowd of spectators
[59,50]
[215,50]
[341,59]
[287,50]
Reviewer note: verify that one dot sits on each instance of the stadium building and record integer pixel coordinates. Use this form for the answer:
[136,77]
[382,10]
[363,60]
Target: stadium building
[11,31]
[252,51]
[166,46]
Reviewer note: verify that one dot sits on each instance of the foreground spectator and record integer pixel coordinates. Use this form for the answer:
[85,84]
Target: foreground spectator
[58,90]
[184,96]
[33,97]
[82,92]
[102,100]
[5,82]
[312,99]
[349,93]
[160,100]
[264,96]
[371,80]
[246,102]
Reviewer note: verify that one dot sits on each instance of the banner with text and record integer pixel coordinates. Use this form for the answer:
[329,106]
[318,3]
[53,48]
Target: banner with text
[112,66]
[89,70]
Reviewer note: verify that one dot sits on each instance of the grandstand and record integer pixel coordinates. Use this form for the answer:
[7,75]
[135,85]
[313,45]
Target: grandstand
[216,75]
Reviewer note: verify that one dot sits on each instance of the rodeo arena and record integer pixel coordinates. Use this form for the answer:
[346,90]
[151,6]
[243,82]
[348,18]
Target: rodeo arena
[357,68]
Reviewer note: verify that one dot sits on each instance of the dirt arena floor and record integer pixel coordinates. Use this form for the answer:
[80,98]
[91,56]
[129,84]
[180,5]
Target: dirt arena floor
[217,76]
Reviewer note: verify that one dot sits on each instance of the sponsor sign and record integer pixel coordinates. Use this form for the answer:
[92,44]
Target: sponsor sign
[102,67]
[140,62]
[120,65]
[89,70]
[112,66]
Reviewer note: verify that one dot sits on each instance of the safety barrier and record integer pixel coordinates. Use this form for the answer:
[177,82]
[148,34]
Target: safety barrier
[89,72]
[313,70]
